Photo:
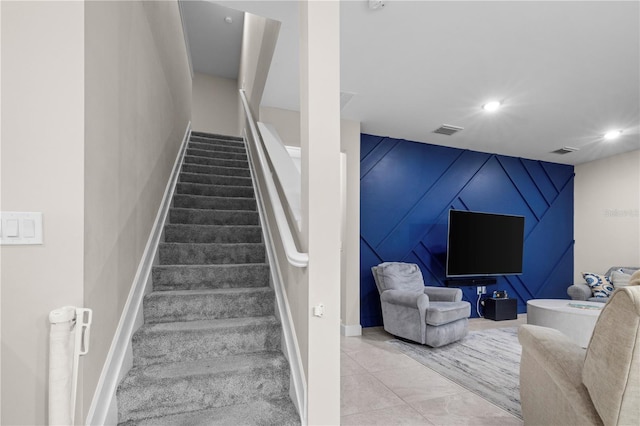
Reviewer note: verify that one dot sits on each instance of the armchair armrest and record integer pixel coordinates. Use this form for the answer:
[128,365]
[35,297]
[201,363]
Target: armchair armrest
[443,294]
[579,292]
[409,299]
[551,386]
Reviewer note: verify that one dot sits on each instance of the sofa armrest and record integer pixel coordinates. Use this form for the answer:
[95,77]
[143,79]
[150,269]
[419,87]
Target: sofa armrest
[579,292]
[443,294]
[551,379]
[409,299]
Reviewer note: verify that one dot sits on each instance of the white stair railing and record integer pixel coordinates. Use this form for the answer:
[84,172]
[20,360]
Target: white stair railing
[294,256]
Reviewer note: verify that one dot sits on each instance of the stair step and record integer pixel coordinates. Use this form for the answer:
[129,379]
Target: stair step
[216,154]
[195,305]
[205,202]
[196,277]
[213,217]
[221,147]
[204,254]
[215,179]
[279,412]
[187,233]
[208,161]
[216,170]
[170,342]
[207,135]
[215,190]
[165,389]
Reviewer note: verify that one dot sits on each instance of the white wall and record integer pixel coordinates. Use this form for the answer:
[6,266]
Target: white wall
[607,214]
[215,105]
[96,97]
[321,215]
[287,123]
[258,43]
[42,170]
[138,104]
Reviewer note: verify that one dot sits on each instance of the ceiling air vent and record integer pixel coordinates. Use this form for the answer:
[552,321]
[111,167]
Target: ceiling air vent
[565,150]
[447,129]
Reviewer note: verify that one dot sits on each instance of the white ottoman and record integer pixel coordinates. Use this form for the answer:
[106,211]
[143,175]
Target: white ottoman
[575,318]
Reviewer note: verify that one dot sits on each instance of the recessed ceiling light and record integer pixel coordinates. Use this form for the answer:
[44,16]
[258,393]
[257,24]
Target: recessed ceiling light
[491,106]
[612,134]
[228,19]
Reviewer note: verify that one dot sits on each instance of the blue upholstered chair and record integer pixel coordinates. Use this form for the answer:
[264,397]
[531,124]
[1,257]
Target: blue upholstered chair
[433,316]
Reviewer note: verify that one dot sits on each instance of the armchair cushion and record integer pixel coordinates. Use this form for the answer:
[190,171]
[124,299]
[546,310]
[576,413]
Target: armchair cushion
[400,276]
[445,312]
[620,279]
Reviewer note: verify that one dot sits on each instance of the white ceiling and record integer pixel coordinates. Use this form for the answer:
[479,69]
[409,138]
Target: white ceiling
[566,72]
[214,45]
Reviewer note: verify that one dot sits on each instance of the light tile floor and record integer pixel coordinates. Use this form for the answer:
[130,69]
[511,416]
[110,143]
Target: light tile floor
[382,386]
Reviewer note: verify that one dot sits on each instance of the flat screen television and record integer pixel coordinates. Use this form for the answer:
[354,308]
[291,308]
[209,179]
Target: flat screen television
[484,244]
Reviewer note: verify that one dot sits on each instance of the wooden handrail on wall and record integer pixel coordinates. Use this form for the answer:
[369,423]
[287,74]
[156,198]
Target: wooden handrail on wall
[294,256]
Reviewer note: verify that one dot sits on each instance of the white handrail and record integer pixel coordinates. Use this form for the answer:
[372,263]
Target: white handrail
[295,257]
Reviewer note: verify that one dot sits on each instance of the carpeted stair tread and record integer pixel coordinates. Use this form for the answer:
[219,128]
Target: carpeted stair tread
[205,216]
[209,351]
[197,277]
[194,305]
[204,254]
[209,161]
[216,170]
[169,342]
[223,155]
[229,191]
[220,147]
[208,135]
[262,412]
[204,202]
[189,233]
[163,389]
[210,179]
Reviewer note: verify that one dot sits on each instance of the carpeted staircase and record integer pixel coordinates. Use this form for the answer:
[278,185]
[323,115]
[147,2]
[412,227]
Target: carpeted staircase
[209,350]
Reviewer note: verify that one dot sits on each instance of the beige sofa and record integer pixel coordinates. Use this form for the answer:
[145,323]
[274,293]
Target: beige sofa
[563,384]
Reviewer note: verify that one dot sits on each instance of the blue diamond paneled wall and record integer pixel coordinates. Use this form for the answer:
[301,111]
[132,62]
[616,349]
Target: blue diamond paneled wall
[407,189]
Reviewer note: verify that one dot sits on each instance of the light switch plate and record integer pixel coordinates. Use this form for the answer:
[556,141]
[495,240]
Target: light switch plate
[21,228]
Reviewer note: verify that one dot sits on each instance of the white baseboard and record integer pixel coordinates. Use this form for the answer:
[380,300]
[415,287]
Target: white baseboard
[103,409]
[351,330]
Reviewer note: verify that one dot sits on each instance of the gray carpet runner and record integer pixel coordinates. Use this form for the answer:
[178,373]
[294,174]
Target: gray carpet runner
[209,352]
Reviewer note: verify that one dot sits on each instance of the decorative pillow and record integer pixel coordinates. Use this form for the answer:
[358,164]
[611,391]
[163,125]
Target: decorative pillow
[600,285]
[619,279]
[635,278]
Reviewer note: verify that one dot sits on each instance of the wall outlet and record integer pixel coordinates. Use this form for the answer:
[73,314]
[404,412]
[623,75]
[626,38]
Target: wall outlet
[478,290]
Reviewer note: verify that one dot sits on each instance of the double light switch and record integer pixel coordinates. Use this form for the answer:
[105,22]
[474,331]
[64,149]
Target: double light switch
[20,228]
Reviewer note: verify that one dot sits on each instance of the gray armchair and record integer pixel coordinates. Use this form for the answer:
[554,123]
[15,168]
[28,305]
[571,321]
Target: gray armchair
[433,316]
[563,384]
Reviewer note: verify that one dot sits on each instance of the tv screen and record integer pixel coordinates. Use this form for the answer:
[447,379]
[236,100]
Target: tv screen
[481,244]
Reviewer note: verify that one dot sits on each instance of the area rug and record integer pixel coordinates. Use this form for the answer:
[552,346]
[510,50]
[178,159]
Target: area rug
[485,362]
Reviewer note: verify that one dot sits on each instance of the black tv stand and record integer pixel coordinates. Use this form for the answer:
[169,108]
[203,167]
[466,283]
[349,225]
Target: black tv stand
[456,282]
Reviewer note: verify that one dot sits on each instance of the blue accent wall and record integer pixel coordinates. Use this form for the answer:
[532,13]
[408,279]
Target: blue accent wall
[407,189]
